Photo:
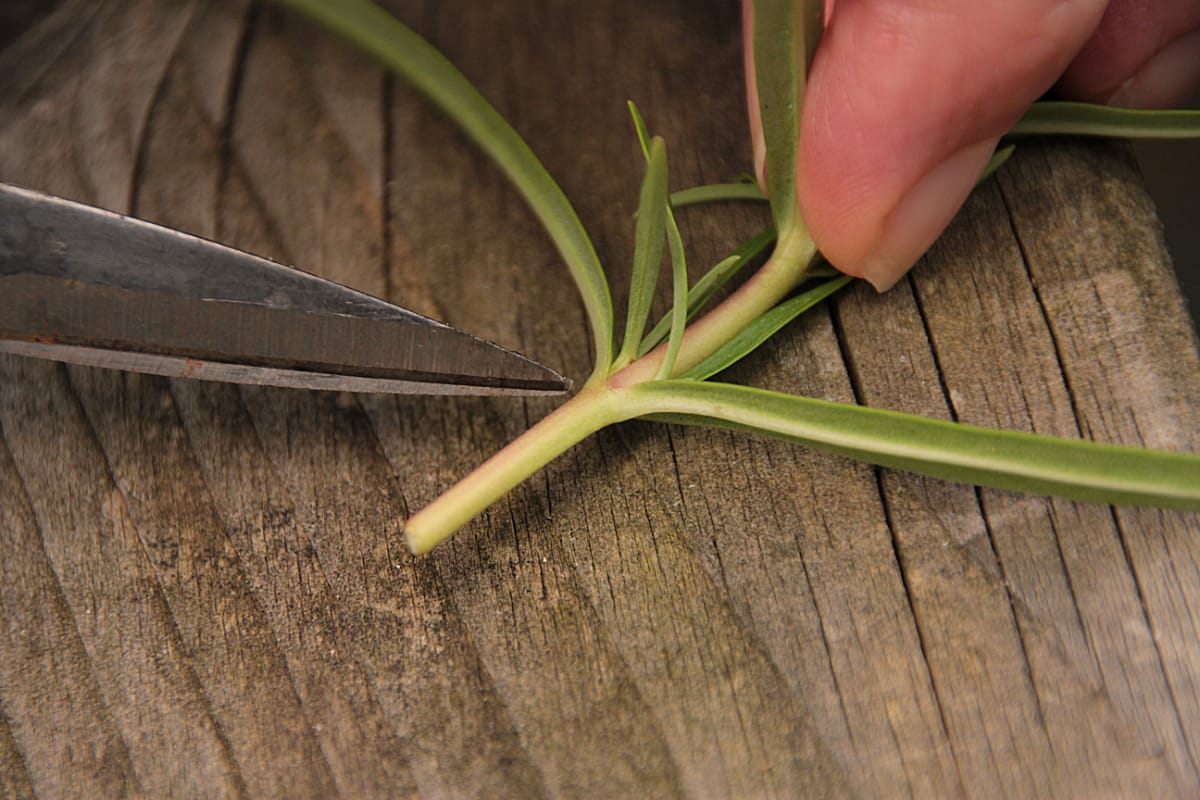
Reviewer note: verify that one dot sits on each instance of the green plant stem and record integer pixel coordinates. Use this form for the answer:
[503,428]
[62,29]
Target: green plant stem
[1087,119]
[782,273]
[1072,468]
[593,408]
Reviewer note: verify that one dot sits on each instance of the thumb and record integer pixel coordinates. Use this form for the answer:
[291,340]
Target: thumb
[904,106]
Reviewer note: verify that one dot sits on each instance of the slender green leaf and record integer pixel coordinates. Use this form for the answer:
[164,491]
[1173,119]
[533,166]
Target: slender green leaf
[379,34]
[648,243]
[779,85]
[1086,119]
[812,13]
[823,269]
[1024,462]
[639,126]
[710,283]
[763,328]
[716,192]
[785,34]
[679,305]
[997,161]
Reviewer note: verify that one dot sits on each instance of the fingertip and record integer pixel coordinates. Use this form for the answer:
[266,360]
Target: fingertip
[904,105]
[922,213]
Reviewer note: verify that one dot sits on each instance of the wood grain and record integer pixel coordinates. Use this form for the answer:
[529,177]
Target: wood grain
[204,589]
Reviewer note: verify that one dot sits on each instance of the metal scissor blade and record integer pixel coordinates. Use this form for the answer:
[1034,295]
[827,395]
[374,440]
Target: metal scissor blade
[83,285]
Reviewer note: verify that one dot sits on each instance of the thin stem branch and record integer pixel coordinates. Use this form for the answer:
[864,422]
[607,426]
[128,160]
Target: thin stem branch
[587,412]
[1073,468]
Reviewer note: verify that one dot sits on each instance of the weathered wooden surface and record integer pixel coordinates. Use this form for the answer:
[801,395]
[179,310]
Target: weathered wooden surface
[203,588]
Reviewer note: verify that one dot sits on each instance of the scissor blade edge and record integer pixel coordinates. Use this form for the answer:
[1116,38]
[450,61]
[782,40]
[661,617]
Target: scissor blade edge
[175,367]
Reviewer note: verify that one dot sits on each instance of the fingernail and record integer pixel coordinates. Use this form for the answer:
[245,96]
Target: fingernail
[922,214]
[1166,79]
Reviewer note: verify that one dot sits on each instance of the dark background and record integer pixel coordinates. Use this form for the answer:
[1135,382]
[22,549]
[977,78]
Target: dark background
[1172,170]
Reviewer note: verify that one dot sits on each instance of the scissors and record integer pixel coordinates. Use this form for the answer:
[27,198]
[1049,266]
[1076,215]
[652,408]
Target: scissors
[87,286]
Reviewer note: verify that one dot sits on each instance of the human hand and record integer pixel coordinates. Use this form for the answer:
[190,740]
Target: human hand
[907,98]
